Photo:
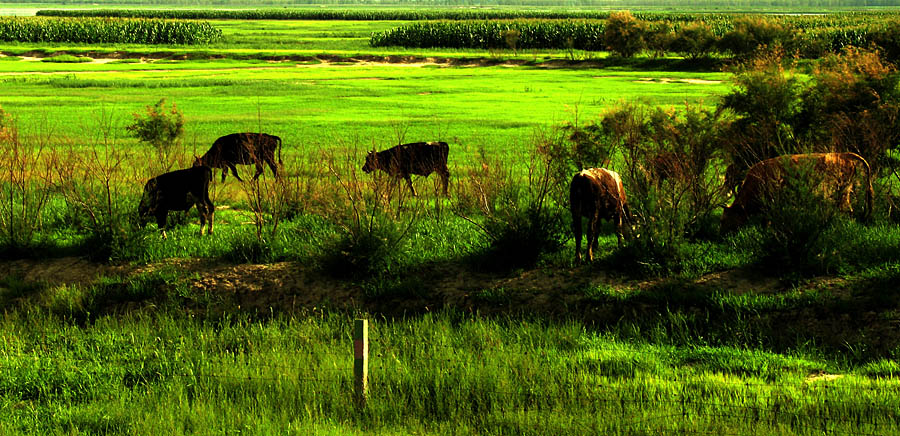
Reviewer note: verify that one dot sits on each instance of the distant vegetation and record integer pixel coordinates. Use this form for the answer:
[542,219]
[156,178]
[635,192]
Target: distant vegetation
[691,35]
[739,5]
[99,30]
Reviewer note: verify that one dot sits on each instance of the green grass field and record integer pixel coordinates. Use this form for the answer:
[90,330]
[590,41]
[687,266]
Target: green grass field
[245,332]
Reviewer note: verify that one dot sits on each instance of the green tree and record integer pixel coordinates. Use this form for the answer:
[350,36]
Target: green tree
[624,34]
[694,41]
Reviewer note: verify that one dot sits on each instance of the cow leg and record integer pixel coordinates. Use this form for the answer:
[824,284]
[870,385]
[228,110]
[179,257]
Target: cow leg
[161,218]
[259,170]
[211,210]
[234,171]
[409,182]
[592,235]
[224,173]
[576,229]
[274,167]
[201,210]
[445,178]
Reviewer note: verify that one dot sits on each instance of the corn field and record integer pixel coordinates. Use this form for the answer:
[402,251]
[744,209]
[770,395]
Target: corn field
[809,36]
[107,30]
[583,35]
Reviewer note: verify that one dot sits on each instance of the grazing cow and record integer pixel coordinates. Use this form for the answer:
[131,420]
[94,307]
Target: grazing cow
[420,158]
[765,180]
[243,149]
[177,190]
[734,175]
[597,193]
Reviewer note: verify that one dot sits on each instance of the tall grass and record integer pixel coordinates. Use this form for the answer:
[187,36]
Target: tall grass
[144,371]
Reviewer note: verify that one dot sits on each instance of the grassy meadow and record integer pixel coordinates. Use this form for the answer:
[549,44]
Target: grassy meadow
[108,328]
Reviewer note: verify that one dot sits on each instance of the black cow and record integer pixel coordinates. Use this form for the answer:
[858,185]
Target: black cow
[177,190]
[420,158]
[243,149]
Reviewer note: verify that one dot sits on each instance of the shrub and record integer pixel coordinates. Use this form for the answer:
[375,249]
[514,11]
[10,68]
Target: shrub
[694,41]
[801,235]
[766,101]
[753,34]
[670,173]
[521,222]
[624,35]
[888,40]
[853,104]
[161,127]
[26,177]
[373,221]
[367,249]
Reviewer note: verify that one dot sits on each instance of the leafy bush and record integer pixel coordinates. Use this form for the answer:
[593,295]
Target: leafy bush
[694,41]
[161,127]
[522,222]
[852,104]
[766,101]
[369,249]
[624,35]
[752,34]
[26,177]
[521,234]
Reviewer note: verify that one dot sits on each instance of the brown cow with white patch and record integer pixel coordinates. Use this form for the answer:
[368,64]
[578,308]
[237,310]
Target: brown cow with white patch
[597,193]
[420,158]
[766,179]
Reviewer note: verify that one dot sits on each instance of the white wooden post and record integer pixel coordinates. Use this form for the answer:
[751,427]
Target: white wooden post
[361,361]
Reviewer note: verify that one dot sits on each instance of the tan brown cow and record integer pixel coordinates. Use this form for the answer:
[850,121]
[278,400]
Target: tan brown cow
[830,173]
[597,193]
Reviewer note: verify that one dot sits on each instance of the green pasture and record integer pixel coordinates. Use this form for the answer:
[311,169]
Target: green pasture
[318,106]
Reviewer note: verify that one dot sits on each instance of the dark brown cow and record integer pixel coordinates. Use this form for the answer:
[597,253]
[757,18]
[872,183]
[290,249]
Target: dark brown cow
[734,175]
[177,190]
[420,158]
[596,194]
[242,149]
[835,173]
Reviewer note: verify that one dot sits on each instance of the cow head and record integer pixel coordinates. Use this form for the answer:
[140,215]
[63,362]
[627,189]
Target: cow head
[733,217]
[371,162]
[198,161]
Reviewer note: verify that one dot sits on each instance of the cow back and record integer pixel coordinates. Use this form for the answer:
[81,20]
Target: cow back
[240,149]
[420,158]
[597,191]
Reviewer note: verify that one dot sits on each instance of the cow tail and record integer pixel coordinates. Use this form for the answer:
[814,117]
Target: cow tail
[870,193]
[279,152]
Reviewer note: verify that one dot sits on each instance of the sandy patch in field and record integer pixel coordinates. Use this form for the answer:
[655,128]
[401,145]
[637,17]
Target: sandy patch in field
[677,80]
[822,377]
